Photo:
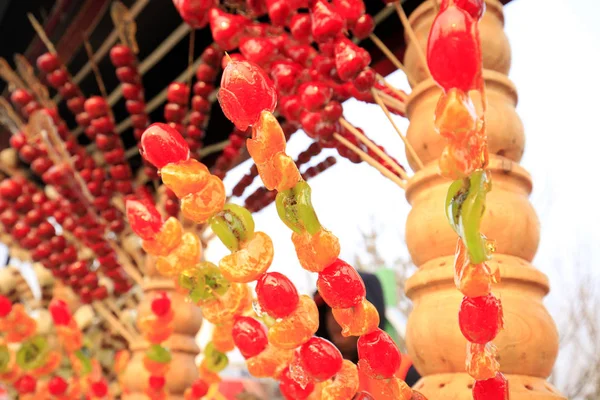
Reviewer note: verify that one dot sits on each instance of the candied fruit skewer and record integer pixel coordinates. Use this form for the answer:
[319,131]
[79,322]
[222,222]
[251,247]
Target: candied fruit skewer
[316,247]
[464,160]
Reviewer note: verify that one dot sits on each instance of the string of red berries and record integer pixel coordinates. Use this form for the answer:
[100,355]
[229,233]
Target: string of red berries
[58,77]
[126,64]
[230,153]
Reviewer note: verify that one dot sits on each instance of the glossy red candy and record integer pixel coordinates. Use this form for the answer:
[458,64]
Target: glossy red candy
[227,28]
[99,388]
[350,9]
[475,8]
[480,318]
[57,78]
[258,50]
[320,358]
[249,336]
[10,189]
[5,306]
[162,144]
[144,218]
[96,107]
[57,386]
[453,50]
[61,315]
[286,76]
[327,23]
[21,97]
[48,62]
[350,59]
[161,304]
[157,382]
[301,27]
[363,27]
[194,12]
[26,384]
[199,388]
[178,92]
[314,95]
[121,56]
[340,285]
[491,389]
[277,295]
[378,354]
[291,389]
[245,92]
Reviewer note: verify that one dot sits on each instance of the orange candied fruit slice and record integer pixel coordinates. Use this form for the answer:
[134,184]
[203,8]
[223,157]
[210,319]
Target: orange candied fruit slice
[222,338]
[316,252]
[155,368]
[207,375]
[200,206]
[267,139]
[269,363]
[187,253]
[166,239]
[224,308]
[345,384]
[473,280]
[358,320]
[455,115]
[251,261]
[295,329]
[390,389]
[185,177]
[481,361]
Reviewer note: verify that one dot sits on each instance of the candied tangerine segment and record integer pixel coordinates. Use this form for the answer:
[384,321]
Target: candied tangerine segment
[344,385]
[481,361]
[298,327]
[200,206]
[390,389]
[358,320]
[166,239]
[455,115]
[269,363]
[250,262]
[473,280]
[185,177]
[267,139]
[316,252]
[234,302]
[155,368]
[222,337]
[183,256]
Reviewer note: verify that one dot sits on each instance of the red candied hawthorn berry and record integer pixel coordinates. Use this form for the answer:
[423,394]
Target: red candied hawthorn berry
[99,388]
[453,51]
[245,92]
[26,384]
[378,354]
[326,22]
[365,80]
[286,75]
[121,56]
[491,389]
[480,318]
[178,93]
[260,51]
[227,28]
[61,315]
[194,12]
[363,27]
[144,218]
[351,10]
[47,62]
[291,389]
[57,78]
[301,27]
[96,107]
[315,95]
[199,389]
[156,382]
[279,11]
[5,306]
[350,59]
[161,304]
[57,386]
[127,74]
[320,359]
[340,285]
[21,97]
[161,144]
[276,294]
[10,189]
[249,336]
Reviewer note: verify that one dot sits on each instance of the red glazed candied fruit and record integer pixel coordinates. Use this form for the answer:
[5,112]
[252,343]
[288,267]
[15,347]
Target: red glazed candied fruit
[96,107]
[350,59]
[178,93]
[144,218]
[277,295]
[350,9]
[47,62]
[161,305]
[249,336]
[320,359]
[99,388]
[291,389]
[378,354]
[475,8]
[491,389]
[26,384]
[61,315]
[21,97]
[363,27]
[226,28]
[156,382]
[121,56]
[327,23]
[5,306]
[340,285]
[453,50]
[245,92]
[480,318]
[199,389]
[162,144]
[57,386]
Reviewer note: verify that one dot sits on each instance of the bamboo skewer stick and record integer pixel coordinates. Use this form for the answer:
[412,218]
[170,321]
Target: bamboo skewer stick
[115,309]
[113,321]
[370,160]
[399,93]
[360,136]
[391,101]
[42,34]
[411,35]
[409,147]
[97,75]
[387,52]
